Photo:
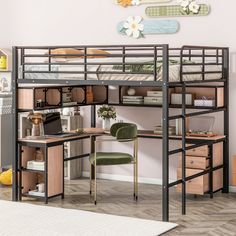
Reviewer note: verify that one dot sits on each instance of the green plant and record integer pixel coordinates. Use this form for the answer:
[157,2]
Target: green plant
[107,112]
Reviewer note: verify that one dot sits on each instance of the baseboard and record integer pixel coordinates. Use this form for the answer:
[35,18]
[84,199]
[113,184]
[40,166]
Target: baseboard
[125,178]
[232,189]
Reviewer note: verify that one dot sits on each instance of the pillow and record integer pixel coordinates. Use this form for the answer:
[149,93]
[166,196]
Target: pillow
[68,51]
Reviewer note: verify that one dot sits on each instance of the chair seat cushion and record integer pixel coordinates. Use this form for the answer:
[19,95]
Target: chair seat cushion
[111,158]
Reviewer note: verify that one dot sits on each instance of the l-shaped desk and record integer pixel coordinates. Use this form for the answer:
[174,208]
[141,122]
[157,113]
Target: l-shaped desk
[53,173]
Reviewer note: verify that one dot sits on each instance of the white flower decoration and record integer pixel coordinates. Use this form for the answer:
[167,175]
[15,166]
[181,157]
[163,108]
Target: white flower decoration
[133,27]
[194,7]
[184,3]
[135,2]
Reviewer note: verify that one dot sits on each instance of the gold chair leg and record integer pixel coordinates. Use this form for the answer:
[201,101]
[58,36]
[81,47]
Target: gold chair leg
[95,184]
[95,174]
[136,169]
[90,180]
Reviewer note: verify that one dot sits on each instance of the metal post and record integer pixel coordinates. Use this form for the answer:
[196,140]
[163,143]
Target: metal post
[93,124]
[15,125]
[165,141]
[226,119]
[183,149]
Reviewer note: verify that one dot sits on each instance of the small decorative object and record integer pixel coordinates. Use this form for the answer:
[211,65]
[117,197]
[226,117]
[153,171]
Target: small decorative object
[40,103]
[6,177]
[176,99]
[136,27]
[128,3]
[39,155]
[204,102]
[36,119]
[186,8]
[40,187]
[106,113]
[3,62]
[131,91]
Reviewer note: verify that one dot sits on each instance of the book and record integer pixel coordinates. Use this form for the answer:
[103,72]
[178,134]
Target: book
[133,97]
[154,93]
[36,193]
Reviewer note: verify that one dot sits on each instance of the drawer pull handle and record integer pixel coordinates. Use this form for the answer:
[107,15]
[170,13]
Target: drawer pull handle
[191,162]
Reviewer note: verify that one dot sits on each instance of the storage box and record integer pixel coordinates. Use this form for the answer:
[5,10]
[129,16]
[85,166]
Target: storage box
[176,99]
[154,93]
[204,103]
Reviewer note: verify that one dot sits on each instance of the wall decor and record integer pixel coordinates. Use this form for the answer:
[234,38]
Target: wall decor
[186,8]
[127,3]
[137,27]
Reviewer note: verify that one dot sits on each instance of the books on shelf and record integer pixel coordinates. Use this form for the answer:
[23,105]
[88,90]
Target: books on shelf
[36,165]
[154,93]
[132,100]
[153,100]
[36,193]
[69,104]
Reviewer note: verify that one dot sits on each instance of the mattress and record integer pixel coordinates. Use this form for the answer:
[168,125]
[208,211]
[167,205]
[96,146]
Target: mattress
[143,66]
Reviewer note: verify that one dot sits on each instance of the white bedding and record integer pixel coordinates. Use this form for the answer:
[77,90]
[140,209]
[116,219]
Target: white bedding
[174,71]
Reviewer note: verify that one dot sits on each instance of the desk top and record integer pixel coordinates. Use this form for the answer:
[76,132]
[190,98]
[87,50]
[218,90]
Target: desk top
[53,141]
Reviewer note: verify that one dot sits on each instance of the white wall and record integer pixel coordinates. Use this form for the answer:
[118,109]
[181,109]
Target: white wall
[61,22]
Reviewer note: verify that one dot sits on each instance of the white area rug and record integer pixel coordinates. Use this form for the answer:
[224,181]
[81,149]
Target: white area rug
[20,219]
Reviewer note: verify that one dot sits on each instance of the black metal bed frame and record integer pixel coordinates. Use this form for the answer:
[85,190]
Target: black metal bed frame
[218,56]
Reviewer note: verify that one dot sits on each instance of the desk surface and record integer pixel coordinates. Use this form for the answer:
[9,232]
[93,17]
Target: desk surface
[97,132]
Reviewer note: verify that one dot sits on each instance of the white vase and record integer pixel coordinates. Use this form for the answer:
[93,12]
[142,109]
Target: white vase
[106,124]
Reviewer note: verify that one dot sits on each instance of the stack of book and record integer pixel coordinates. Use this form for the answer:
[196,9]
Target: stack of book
[153,98]
[35,165]
[132,99]
[158,130]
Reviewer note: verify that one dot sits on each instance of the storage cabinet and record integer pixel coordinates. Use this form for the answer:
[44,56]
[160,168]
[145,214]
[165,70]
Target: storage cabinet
[51,176]
[197,161]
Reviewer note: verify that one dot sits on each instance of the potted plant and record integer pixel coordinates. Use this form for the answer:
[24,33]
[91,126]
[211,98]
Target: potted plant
[106,113]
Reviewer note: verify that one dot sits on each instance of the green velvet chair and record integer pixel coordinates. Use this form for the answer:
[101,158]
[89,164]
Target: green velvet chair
[121,132]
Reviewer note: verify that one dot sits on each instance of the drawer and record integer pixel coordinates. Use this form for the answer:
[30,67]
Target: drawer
[195,162]
[200,185]
[202,151]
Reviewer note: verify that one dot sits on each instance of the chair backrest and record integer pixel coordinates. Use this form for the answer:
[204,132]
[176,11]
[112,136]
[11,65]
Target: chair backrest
[124,131]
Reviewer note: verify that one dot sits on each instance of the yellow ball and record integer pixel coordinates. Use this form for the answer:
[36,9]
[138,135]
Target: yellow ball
[6,177]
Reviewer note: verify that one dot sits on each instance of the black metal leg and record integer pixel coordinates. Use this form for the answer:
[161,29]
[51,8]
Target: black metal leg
[15,126]
[183,149]
[165,141]
[20,172]
[211,171]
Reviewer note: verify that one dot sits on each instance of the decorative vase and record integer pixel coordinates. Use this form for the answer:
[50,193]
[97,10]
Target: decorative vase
[106,124]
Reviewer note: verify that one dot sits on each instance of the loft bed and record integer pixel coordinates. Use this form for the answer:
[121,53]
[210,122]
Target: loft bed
[156,66]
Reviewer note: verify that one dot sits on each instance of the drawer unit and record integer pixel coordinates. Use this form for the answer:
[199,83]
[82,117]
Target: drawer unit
[204,152]
[195,162]
[200,185]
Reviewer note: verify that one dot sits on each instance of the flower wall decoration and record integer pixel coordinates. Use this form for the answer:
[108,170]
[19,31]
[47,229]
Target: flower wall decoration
[189,7]
[128,3]
[133,27]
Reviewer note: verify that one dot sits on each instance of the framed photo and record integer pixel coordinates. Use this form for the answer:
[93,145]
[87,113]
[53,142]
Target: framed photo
[5,82]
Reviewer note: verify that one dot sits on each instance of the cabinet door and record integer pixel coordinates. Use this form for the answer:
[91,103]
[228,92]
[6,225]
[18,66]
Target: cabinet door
[55,170]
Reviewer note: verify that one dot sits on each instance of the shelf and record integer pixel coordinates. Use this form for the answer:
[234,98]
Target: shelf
[32,196]
[32,171]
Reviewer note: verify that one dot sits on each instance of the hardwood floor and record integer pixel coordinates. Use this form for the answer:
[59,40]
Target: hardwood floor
[205,216]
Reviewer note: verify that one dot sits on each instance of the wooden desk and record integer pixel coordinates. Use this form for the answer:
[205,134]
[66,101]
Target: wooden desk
[53,149]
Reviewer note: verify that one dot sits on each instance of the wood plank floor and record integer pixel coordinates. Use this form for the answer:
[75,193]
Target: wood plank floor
[205,216]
